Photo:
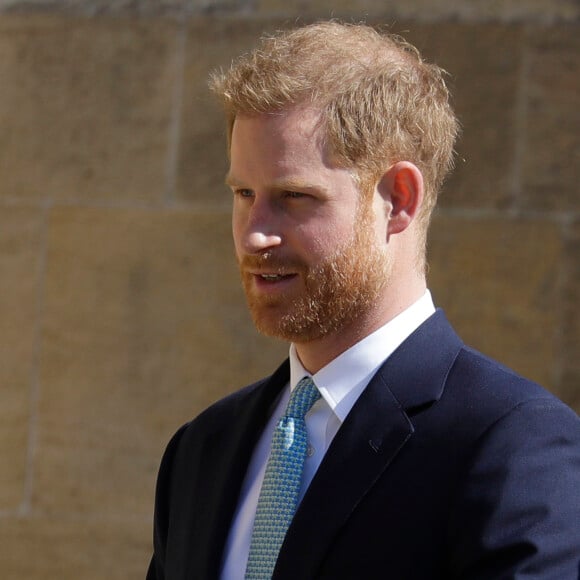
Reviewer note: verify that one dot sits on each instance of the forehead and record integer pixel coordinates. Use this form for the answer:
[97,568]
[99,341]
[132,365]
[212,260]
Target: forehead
[287,127]
[292,139]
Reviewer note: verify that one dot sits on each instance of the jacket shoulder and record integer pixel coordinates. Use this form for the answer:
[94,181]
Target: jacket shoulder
[489,387]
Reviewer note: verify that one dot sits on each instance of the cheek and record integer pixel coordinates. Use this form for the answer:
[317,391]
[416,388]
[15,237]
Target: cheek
[237,236]
[322,242]
[310,242]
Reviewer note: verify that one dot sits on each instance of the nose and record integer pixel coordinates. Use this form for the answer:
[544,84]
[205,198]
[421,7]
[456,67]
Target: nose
[257,242]
[257,229]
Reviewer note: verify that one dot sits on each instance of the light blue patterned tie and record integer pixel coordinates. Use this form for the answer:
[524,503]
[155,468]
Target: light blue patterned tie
[279,494]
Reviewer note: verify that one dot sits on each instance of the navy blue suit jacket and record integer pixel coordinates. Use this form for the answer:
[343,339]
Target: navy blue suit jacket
[448,466]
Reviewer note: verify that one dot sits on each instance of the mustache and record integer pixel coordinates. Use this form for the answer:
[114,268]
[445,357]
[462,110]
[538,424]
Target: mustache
[271,261]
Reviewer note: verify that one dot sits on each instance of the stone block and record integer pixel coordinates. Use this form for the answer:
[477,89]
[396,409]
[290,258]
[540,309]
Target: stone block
[85,108]
[20,258]
[41,548]
[551,166]
[483,61]
[499,282]
[531,10]
[119,7]
[145,325]
[211,44]
[428,10]
[319,9]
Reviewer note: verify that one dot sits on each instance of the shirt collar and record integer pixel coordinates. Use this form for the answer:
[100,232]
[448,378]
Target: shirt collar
[342,380]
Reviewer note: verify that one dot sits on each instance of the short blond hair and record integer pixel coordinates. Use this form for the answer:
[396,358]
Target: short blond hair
[380,102]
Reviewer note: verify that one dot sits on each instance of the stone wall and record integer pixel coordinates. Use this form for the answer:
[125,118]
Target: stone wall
[121,311]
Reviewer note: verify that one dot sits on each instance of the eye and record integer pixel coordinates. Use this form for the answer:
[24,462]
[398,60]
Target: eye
[245,193]
[294,194]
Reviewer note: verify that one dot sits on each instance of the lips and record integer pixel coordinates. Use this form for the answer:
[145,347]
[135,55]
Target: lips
[271,281]
[274,277]
[270,274]
[271,277]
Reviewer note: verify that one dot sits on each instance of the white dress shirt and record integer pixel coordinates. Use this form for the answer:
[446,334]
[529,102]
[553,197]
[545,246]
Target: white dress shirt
[340,383]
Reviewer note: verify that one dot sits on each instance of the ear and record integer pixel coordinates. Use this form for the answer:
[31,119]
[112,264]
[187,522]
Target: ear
[401,187]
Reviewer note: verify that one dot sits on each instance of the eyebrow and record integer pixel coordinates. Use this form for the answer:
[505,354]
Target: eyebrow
[290,184]
[230,180]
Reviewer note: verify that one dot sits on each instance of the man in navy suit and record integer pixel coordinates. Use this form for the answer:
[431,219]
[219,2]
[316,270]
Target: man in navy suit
[425,459]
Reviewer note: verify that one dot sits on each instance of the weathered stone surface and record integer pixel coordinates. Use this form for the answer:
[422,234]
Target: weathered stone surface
[551,168]
[85,108]
[123,7]
[145,325]
[498,280]
[212,44]
[318,9]
[484,63]
[41,548]
[20,255]
[474,10]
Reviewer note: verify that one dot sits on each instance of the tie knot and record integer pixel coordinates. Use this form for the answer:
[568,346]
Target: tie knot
[302,398]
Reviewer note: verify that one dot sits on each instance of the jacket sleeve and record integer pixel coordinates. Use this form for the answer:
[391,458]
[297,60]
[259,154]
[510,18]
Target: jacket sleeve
[517,514]
[156,569]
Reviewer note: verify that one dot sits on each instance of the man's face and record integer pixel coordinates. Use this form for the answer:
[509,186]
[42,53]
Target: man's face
[311,254]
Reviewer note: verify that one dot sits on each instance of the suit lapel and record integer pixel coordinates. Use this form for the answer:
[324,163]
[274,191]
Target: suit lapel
[372,435]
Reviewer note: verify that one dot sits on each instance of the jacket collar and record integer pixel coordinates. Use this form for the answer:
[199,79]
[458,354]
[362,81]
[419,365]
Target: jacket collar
[416,372]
